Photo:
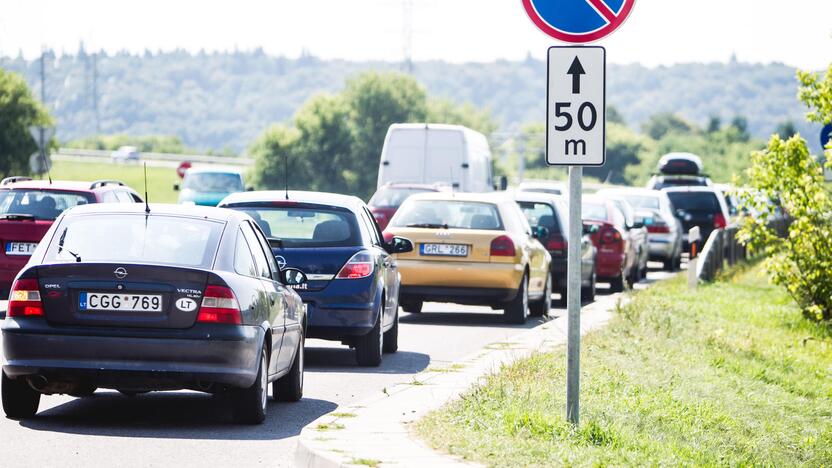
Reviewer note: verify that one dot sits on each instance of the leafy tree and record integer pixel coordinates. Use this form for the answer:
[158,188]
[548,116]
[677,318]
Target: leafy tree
[442,110]
[714,124]
[802,260]
[740,126]
[18,111]
[614,116]
[276,143]
[624,149]
[786,130]
[662,124]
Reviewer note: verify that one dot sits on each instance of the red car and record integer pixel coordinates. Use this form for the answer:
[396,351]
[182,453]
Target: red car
[28,208]
[617,261]
[387,199]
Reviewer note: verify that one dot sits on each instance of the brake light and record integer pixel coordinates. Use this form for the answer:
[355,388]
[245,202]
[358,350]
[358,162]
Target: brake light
[503,246]
[219,305]
[359,266]
[610,236]
[658,229]
[557,245]
[24,299]
[719,221]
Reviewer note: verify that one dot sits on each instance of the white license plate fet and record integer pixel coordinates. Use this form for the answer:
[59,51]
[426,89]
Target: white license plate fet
[20,248]
[447,250]
[119,302]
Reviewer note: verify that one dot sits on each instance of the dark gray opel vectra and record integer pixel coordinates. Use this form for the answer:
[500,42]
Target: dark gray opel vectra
[174,298]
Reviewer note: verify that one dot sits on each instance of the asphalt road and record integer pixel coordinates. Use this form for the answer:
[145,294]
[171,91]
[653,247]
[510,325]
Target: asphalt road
[188,429]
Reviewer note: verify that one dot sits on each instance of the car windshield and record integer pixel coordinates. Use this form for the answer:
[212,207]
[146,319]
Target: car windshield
[550,191]
[642,201]
[224,182]
[448,214]
[136,238]
[705,202]
[596,211]
[307,226]
[393,197]
[40,204]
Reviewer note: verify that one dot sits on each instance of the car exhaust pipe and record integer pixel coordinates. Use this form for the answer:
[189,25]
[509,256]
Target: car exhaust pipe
[38,382]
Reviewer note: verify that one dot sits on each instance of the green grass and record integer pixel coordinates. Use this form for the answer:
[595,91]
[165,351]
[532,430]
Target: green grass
[731,375]
[160,180]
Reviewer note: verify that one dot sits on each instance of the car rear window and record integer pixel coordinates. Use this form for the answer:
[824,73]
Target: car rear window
[642,201]
[393,197]
[307,226]
[40,204]
[706,202]
[136,238]
[681,182]
[595,211]
[448,214]
[220,182]
[541,214]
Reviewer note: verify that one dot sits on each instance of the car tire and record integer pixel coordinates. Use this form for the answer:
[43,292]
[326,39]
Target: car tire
[517,310]
[391,336]
[20,401]
[83,391]
[290,386]
[541,308]
[670,264]
[368,348]
[588,293]
[250,403]
[617,283]
[412,307]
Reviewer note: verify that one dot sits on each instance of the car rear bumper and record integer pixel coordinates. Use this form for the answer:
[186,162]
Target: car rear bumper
[462,275]
[457,295]
[661,247]
[162,359]
[343,308]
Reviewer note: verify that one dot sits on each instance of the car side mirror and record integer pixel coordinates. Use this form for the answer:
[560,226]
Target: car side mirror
[398,245]
[540,233]
[175,187]
[590,229]
[293,277]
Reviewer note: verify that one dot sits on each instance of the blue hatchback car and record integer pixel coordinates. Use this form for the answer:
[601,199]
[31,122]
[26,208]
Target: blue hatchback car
[352,292]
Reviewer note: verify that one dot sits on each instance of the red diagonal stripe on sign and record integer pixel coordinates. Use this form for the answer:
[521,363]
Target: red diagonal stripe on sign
[605,11]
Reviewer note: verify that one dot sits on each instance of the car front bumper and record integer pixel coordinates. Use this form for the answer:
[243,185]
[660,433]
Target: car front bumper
[153,359]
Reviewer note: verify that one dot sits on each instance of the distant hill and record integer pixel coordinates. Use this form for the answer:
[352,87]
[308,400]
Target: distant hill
[222,101]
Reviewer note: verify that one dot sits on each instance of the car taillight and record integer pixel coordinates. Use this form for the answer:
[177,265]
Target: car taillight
[219,305]
[556,245]
[610,236]
[503,246]
[24,299]
[379,216]
[360,266]
[719,221]
[658,229]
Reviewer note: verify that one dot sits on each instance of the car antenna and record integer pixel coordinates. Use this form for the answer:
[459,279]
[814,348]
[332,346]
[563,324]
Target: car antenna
[286,173]
[146,202]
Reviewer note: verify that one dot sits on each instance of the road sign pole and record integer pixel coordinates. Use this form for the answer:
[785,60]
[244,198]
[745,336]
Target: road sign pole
[573,297]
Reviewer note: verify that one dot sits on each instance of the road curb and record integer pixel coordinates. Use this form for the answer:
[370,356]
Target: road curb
[376,432]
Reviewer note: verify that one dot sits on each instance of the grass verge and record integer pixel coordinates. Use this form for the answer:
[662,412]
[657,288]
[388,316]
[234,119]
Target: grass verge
[160,180]
[731,375]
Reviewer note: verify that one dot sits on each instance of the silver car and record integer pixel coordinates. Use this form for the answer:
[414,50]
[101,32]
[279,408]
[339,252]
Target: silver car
[665,235]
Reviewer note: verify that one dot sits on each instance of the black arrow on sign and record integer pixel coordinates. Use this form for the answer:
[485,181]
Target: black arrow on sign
[576,70]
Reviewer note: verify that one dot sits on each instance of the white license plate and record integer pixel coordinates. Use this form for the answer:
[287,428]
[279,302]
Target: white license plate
[20,248]
[119,302]
[447,250]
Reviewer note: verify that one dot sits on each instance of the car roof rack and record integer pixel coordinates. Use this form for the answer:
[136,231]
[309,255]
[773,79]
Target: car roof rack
[103,182]
[13,179]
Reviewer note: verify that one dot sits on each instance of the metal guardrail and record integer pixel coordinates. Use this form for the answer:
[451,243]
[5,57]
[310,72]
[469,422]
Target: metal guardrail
[723,247]
[194,158]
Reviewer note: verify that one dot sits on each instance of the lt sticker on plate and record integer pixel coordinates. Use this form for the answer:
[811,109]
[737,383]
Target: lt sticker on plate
[185,304]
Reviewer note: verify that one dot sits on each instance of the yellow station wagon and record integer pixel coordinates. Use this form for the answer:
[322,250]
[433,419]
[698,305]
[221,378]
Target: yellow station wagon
[472,248]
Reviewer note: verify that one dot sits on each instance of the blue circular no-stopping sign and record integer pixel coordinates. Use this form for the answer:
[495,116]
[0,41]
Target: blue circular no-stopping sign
[578,21]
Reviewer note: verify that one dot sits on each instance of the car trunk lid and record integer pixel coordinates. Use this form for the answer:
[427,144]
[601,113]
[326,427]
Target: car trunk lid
[121,295]
[320,264]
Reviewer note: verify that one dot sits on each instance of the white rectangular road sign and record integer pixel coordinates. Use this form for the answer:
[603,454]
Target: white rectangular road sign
[575,106]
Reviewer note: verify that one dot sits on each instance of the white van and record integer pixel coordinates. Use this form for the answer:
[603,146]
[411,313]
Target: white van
[436,153]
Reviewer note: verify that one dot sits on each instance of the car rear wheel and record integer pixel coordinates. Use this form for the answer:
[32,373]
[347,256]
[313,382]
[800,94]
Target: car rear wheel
[391,336]
[617,283]
[20,401]
[368,348]
[290,386]
[518,309]
[412,307]
[250,403]
[541,308]
[588,293]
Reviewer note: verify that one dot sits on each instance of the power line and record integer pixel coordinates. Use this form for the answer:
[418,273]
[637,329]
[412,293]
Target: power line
[407,35]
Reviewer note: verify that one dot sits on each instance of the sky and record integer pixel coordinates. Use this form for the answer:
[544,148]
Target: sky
[658,32]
